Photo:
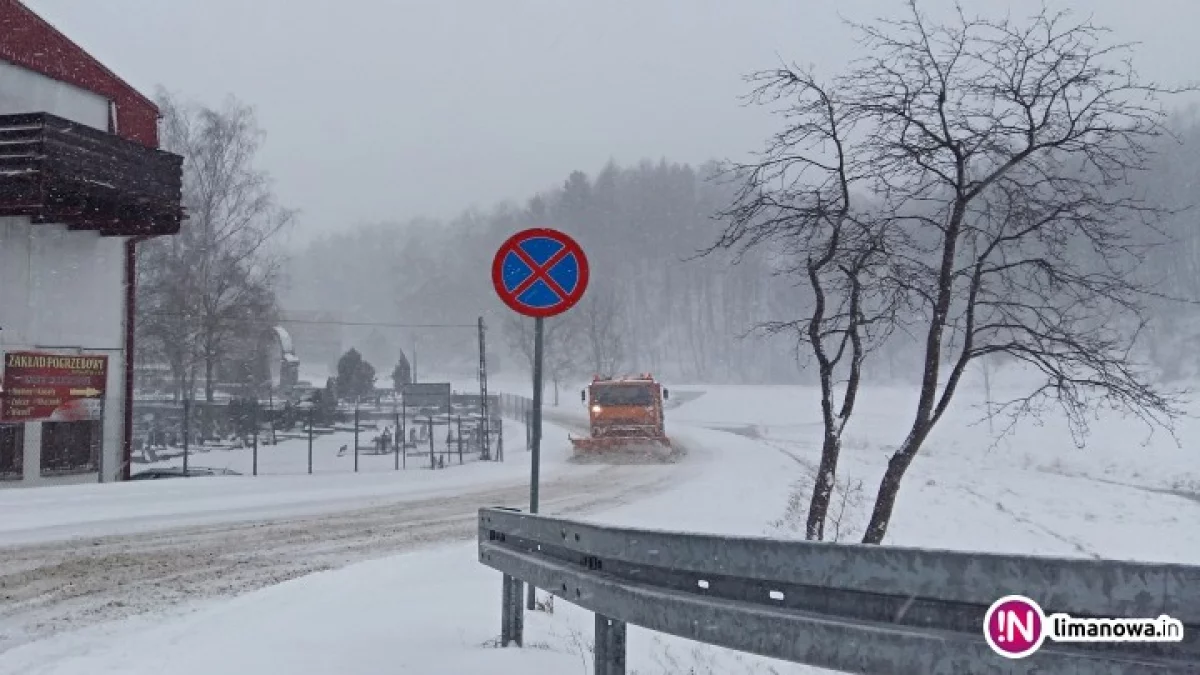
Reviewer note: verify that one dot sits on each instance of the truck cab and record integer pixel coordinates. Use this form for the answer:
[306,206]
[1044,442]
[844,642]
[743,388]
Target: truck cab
[630,407]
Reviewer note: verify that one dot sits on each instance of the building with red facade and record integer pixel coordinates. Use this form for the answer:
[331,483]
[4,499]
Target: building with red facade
[81,183]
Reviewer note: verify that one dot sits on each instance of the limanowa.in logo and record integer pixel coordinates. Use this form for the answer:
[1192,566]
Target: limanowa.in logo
[1015,627]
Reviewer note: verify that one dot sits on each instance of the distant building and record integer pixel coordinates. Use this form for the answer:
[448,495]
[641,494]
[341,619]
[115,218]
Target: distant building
[282,362]
[81,183]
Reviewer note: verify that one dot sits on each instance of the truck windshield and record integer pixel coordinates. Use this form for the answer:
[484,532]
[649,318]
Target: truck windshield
[623,394]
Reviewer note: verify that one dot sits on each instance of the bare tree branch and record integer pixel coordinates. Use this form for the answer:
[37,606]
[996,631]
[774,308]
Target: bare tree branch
[204,292]
[982,170]
[799,199]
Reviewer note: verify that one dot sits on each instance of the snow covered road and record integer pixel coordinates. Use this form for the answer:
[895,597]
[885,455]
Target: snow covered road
[66,584]
[428,610]
[434,609]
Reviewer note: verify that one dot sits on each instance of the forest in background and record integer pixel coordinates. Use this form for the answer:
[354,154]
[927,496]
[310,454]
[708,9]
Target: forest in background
[650,306]
[654,304]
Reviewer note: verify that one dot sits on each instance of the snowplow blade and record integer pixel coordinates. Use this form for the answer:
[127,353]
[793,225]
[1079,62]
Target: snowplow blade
[624,450]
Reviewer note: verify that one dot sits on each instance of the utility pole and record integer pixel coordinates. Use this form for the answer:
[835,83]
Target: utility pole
[485,419]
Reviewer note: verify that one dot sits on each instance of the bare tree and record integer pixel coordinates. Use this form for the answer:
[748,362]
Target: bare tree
[563,361]
[204,289]
[560,346]
[997,156]
[602,330]
[799,198]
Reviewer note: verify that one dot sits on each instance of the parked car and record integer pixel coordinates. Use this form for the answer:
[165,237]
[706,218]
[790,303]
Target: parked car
[174,472]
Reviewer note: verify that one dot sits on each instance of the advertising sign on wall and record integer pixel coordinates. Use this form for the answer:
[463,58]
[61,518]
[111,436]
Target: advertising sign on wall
[52,387]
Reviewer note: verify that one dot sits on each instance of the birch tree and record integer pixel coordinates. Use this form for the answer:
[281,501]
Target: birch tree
[214,282]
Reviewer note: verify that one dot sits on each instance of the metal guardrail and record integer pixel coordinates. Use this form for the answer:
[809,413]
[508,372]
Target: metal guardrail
[846,607]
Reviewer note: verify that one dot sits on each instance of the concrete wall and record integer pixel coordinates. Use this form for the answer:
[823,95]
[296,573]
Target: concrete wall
[63,292]
[24,91]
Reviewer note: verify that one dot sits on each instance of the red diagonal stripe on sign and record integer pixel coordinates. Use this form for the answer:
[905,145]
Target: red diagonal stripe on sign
[541,272]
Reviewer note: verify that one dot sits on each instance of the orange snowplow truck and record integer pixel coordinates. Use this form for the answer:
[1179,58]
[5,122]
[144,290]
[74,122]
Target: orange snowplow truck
[626,414]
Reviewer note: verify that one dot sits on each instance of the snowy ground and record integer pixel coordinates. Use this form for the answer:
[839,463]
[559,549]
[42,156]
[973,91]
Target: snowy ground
[77,555]
[750,450]
[95,510]
[1034,492]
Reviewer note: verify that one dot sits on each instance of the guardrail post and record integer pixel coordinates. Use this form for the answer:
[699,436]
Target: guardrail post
[610,646]
[512,614]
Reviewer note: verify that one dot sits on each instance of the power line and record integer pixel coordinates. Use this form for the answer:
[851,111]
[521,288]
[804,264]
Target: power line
[379,324]
[316,322]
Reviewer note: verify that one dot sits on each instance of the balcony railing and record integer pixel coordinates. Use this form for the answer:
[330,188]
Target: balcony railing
[58,171]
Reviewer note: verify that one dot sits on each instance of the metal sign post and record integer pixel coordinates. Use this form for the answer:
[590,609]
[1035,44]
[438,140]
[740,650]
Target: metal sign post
[254,421]
[187,414]
[310,437]
[432,455]
[539,273]
[535,427]
[100,467]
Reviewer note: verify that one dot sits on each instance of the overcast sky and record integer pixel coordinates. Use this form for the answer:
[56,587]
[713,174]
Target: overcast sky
[389,109]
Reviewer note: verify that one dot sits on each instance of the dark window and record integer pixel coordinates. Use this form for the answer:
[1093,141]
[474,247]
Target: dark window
[70,447]
[623,394]
[12,451]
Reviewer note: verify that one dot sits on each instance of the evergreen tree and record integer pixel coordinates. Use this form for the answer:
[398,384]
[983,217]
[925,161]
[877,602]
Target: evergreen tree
[402,373]
[356,377]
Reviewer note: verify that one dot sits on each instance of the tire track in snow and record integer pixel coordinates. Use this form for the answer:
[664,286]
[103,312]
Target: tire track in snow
[1181,493]
[1032,524]
[49,588]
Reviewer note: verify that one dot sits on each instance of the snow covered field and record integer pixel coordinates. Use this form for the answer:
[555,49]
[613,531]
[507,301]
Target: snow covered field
[435,610]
